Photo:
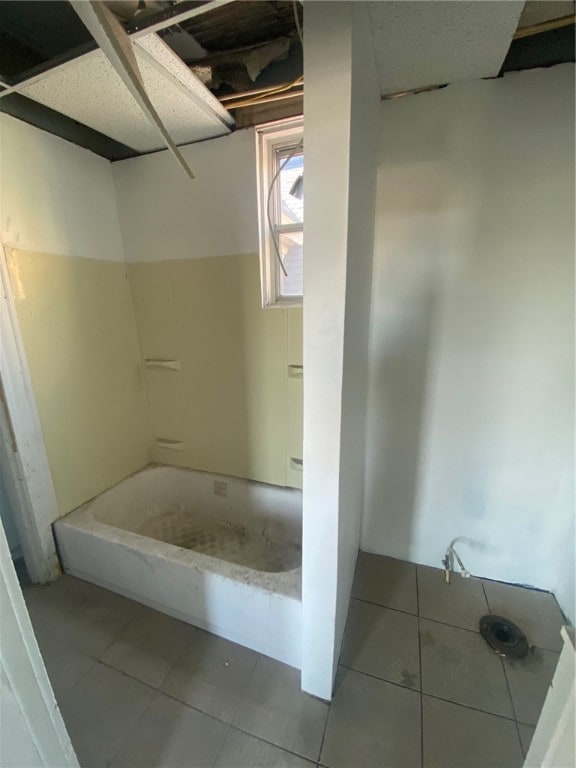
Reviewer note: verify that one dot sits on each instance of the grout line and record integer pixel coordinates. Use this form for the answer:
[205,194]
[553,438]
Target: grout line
[125,738]
[65,696]
[322,740]
[513,707]
[507,683]
[117,636]
[421,687]
[382,679]
[486,597]
[430,695]
[207,714]
[426,618]
[386,607]
[272,744]
[179,656]
[443,623]
[241,699]
[217,755]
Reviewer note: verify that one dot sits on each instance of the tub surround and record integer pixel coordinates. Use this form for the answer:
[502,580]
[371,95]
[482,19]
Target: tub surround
[234,405]
[225,400]
[79,333]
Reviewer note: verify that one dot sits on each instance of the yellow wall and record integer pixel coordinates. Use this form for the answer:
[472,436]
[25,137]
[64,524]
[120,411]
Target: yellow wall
[232,407]
[77,323]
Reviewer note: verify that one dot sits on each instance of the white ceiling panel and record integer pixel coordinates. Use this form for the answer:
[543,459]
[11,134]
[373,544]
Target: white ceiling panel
[164,57]
[430,42]
[89,90]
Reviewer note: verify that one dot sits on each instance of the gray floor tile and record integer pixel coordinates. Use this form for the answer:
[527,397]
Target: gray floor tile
[49,604]
[382,642]
[459,666]
[65,665]
[372,723]
[536,613]
[526,733]
[386,581]
[275,709]
[149,646]
[529,681]
[100,711]
[212,675]
[461,603]
[95,622]
[171,735]
[243,751]
[456,737]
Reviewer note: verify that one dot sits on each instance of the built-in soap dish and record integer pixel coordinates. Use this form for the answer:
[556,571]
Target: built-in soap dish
[158,363]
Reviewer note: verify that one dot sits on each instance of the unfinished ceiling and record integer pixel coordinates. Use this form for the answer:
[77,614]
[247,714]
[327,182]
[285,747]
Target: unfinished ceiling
[195,57]
[242,39]
[545,36]
[540,11]
[206,63]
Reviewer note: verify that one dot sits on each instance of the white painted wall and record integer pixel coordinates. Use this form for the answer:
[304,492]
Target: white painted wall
[335,312]
[471,390]
[165,215]
[327,134]
[55,197]
[364,125]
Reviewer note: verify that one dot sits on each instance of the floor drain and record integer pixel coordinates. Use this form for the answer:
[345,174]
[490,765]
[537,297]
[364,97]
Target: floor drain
[503,636]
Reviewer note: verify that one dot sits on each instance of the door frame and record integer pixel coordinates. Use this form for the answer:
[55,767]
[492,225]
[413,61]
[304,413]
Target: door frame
[31,724]
[23,457]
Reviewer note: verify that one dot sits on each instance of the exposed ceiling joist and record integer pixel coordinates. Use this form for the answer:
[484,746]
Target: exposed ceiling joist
[144,25]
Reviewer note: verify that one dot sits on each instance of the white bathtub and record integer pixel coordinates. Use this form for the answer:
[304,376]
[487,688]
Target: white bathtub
[218,552]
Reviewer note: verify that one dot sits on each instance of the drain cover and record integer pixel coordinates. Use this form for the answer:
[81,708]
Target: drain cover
[504,636]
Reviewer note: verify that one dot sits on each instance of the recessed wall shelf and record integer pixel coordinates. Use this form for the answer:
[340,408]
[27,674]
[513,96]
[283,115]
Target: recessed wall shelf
[171,445]
[296,371]
[154,363]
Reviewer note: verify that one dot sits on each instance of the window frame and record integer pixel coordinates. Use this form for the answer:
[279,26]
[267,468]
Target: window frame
[270,139]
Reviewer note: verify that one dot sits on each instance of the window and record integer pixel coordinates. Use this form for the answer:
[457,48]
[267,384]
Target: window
[281,211]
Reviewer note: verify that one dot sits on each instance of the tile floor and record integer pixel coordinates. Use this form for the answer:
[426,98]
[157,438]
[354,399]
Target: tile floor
[417,685]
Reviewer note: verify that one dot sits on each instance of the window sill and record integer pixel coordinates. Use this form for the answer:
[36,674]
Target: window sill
[296,301]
